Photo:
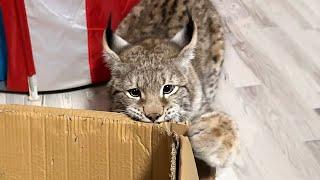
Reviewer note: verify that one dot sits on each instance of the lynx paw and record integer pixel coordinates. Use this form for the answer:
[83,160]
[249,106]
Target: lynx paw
[214,139]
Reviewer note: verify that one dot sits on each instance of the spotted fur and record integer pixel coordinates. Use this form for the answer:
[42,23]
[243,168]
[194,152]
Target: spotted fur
[180,43]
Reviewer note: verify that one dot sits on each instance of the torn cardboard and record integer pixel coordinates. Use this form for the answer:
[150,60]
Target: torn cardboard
[51,143]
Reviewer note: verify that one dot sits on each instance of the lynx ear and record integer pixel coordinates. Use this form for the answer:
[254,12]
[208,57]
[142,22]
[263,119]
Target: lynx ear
[112,44]
[187,40]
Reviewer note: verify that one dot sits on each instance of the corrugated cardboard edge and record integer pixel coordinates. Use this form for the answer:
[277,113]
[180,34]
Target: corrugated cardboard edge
[174,130]
[185,160]
[174,153]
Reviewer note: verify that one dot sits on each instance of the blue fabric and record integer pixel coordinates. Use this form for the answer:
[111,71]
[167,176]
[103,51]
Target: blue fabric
[3,51]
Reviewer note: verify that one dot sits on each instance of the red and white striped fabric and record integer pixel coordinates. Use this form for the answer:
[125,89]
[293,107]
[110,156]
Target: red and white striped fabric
[57,45]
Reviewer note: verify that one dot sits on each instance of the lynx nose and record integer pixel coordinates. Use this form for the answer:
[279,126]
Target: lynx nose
[153,116]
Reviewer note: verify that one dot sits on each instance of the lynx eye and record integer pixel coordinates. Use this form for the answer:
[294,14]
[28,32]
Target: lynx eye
[168,89]
[134,93]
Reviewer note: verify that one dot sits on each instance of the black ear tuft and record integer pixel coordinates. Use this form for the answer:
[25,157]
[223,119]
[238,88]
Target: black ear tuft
[189,27]
[109,32]
[111,41]
[188,34]
[186,39]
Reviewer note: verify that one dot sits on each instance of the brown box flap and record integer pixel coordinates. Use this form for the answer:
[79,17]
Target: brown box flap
[51,143]
[188,168]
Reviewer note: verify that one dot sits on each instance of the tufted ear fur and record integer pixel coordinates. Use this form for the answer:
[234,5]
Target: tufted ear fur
[112,44]
[187,40]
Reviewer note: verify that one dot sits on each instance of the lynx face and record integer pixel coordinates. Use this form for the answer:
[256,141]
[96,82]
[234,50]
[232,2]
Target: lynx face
[153,80]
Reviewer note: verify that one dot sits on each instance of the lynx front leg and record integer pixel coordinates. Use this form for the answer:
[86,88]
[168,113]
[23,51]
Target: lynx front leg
[214,139]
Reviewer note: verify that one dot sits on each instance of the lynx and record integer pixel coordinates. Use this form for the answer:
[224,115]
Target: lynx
[165,61]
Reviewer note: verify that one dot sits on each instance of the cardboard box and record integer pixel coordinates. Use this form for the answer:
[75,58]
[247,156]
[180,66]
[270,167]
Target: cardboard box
[50,143]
